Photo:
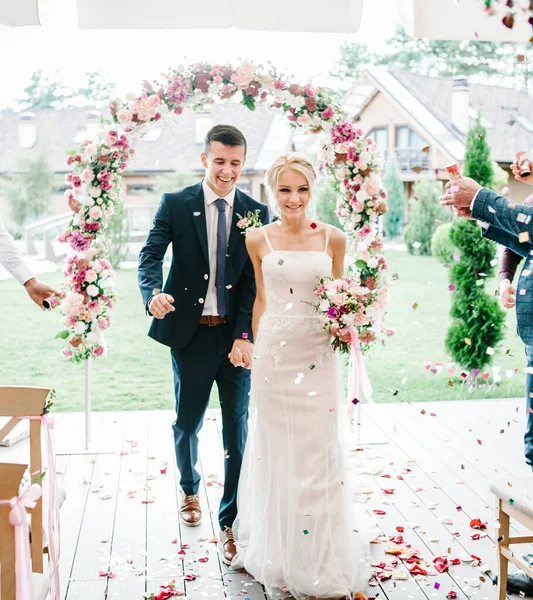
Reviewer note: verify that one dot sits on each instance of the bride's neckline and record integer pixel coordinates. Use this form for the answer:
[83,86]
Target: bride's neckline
[298,252]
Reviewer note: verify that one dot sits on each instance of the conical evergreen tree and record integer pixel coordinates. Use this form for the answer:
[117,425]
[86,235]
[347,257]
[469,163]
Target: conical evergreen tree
[392,221]
[477,319]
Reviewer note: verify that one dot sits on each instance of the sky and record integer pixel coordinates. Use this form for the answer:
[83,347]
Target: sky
[128,57]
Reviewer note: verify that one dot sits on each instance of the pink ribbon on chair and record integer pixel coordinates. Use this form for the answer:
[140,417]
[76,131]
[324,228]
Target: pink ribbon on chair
[358,381]
[50,483]
[17,518]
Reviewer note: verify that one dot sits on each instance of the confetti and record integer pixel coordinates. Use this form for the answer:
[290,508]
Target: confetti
[451,287]
[523,237]
[416,245]
[415,306]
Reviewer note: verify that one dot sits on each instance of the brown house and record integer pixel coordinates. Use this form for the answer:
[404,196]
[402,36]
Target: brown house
[164,148]
[424,120]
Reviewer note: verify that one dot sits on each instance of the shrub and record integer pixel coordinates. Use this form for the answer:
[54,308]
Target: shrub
[442,247]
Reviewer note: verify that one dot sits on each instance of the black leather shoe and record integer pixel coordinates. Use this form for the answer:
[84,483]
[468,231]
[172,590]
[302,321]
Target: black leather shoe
[519,582]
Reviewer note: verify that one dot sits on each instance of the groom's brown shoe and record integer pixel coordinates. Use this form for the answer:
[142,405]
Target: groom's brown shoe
[190,511]
[226,546]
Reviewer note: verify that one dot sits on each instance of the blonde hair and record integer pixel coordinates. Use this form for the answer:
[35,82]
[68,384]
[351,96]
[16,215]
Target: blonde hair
[289,160]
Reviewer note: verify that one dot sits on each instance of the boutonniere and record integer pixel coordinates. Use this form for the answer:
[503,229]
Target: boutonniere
[249,221]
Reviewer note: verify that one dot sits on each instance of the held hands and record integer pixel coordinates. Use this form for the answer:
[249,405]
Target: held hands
[516,173]
[38,291]
[160,305]
[507,294]
[241,353]
[343,336]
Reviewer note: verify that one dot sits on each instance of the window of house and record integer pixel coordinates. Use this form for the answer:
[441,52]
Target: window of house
[379,135]
[407,138]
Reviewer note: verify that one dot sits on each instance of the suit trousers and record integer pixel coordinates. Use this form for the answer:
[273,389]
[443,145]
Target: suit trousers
[528,437]
[196,367]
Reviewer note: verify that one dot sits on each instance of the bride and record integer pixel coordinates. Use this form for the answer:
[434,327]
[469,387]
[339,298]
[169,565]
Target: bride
[296,529]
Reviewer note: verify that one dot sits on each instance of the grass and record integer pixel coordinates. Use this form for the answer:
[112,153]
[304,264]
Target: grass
[137,374]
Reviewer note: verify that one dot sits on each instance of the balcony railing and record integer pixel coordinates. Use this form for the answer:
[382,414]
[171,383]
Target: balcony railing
[410,159]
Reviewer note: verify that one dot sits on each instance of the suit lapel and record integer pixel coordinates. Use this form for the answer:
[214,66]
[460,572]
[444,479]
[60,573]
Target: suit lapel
[235,234]
[197,206]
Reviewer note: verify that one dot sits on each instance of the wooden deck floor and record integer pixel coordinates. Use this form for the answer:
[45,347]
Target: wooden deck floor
[121,513]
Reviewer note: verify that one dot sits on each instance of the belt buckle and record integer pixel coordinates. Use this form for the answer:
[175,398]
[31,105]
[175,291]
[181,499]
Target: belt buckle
[210,323]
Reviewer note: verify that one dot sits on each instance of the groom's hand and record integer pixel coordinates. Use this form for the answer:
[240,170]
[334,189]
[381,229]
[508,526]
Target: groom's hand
[160,305]
[241,353]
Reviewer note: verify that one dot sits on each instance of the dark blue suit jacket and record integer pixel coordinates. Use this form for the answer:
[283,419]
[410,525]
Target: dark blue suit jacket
[506,222]
[180,221]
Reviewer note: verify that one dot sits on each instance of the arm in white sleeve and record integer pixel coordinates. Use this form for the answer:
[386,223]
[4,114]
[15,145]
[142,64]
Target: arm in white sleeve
[11,257]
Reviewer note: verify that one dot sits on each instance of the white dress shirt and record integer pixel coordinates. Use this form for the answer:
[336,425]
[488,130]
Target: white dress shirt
[211,219]
[11,257]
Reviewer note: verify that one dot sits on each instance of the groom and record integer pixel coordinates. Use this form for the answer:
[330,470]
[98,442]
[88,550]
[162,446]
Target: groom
[204,313]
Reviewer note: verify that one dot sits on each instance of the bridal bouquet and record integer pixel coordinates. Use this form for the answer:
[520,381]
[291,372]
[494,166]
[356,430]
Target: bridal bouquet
[346,303]
[351,306]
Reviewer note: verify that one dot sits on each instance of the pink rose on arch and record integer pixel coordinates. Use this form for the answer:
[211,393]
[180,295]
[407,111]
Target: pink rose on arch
[311,104]
[342,132]
[90,277]
[66,352]
[98,351]
[253,89]
[328,113]
[124,116]
[243,76]
[95,212]
[202,81]
[357,206]
[308,88]
[296,90]
[228,91]
[279,85]
[364,231]
[303,119]
[87,174]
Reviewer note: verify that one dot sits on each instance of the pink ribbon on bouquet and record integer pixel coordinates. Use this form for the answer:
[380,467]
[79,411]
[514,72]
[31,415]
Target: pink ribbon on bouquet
[358,381]
[50,483]
[17,518]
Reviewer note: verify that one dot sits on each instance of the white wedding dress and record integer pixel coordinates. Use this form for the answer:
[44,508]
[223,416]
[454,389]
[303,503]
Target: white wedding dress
[296,528]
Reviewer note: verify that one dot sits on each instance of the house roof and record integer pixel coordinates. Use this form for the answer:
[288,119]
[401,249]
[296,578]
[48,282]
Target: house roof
[507,113]
[172,146]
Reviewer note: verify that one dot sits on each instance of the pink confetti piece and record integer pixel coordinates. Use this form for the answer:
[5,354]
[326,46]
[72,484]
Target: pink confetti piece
[451,287]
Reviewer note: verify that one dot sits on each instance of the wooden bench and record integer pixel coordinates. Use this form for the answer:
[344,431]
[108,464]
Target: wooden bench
[515,501]
[10,479]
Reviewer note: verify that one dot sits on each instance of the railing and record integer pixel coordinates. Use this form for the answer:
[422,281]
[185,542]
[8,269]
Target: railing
[410,159]
[139,216]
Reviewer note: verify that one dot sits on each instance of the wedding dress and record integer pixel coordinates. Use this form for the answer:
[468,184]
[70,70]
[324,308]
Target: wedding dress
[296,528]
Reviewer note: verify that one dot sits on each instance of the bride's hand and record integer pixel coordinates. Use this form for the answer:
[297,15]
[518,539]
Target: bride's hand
[343,335]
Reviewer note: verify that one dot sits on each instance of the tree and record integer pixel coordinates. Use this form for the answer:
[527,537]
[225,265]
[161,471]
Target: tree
[477,319]
[354,57]
[326,201]
[500,61]
[44,91]
[395,196]
[425,214]
[96,91]
[29,191]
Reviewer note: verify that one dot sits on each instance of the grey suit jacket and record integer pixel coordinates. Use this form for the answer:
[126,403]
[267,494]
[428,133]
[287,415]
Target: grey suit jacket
[506,222]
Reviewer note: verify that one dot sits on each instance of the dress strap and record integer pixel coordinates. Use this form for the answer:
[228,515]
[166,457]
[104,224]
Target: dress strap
[328,234]
[263,229]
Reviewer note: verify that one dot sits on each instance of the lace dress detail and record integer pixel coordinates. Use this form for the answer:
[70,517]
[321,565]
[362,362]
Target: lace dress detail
[296,527]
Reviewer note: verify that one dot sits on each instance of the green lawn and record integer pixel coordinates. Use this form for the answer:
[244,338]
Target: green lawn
[136,374]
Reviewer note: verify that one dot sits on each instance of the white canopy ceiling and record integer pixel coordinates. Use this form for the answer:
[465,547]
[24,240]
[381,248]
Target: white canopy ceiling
[463,20]
[271,15]
[435,19]
[18,13]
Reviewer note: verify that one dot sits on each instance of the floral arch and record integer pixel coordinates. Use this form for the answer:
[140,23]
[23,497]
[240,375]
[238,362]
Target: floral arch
[350,158]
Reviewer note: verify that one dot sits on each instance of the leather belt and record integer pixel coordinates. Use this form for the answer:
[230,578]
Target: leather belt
[212,320]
